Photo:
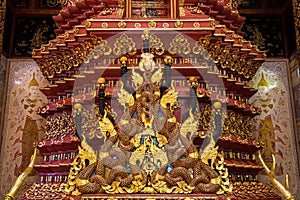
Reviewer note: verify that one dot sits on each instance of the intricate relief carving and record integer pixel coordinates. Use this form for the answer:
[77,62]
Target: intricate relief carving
[147,151]
[59,126]
[124,45]
[180,45]
[226,57]
[152,24]
[195,10]
[101,48]
[156,45]
[122,24]
[178,24]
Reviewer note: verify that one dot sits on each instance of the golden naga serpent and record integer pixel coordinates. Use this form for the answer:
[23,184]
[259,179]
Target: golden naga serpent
[154,119]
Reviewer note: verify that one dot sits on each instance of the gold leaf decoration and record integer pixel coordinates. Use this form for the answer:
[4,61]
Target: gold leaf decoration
[124,98]
[190,125]
[156,45]
[124,45]
[86,153]
[137,79]
[180,45]
[156,77]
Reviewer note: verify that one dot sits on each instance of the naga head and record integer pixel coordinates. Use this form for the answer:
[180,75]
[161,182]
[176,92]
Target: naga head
[169,100]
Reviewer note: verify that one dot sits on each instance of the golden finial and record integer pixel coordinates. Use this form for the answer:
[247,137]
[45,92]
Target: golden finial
[217,105]
[101,80]
[168,60]
[193,81]
[263,81]
[101,83]
[146,34]
[77,108]
[123,60]
[33,82]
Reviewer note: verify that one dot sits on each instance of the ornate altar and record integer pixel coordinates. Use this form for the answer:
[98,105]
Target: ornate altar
[149,100]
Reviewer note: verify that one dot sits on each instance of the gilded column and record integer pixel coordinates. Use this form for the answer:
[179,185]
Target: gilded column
[2,21]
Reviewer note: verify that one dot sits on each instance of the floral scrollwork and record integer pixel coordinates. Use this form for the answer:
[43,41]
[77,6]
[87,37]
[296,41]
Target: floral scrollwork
[180,45]
[123,45]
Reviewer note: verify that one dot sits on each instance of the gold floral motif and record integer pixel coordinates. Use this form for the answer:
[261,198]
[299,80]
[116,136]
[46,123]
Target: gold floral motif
[104,25]
[178,24]
[196,24]
[180,45]
[195,10]
[65,61]
[156,45]
[152,24]
[124,45]
[54,3]
[257,37]
[181,187]
[122,24]
[137,25]
[137,185]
